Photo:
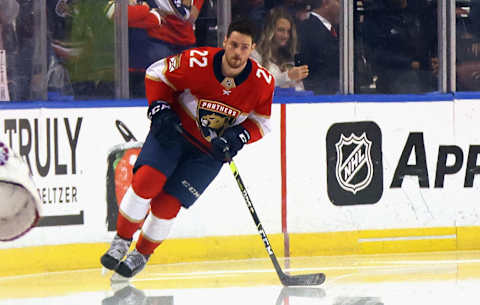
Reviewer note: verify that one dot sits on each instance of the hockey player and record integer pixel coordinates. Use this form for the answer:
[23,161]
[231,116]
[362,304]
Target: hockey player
[19,199]
[219,96]
[157,29]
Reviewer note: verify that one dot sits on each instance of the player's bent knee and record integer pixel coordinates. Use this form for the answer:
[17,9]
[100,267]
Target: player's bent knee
[148,182]
[165,206]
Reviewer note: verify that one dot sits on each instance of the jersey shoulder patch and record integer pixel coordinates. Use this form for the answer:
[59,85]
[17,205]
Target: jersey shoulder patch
[174,62]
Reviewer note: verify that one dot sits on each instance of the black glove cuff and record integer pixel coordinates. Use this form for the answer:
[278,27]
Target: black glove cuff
[242,133]
[155,107]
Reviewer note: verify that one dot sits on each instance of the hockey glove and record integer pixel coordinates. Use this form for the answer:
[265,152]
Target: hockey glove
[163,120]
[231,141]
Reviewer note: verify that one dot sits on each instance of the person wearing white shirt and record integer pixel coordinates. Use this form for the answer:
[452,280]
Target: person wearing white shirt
[276,49]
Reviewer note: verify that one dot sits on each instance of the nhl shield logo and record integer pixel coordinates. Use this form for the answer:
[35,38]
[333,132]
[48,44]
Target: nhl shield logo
[354,168]
[354,163]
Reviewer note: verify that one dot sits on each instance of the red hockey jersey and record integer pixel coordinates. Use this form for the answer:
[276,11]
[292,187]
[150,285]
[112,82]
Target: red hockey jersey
[142,17]
[172,29]
[206,101]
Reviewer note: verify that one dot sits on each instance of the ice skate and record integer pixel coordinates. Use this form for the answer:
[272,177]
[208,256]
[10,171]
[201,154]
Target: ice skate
[116,280]
[133,264]
[126,295]
[179,8]
[117,251]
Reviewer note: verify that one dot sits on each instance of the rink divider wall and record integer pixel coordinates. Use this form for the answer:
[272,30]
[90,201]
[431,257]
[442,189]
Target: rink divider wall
[421,195]
[52,258]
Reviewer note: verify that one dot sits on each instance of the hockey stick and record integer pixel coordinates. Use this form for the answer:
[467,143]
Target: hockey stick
[287,280]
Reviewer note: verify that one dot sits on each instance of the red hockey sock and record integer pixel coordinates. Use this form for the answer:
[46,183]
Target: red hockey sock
[125,227]
[147,183]
[165,208]
[146,246]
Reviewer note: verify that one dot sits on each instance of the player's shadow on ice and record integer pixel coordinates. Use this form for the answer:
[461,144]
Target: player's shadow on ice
[304,292]
[127,294]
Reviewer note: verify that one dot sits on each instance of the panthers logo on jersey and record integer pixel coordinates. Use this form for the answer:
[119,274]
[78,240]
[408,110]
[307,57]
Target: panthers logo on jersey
[214,117]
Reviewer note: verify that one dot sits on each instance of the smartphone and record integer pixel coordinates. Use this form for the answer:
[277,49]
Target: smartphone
[299,59]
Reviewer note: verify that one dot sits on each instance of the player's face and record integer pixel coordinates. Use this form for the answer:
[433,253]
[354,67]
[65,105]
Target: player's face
[282,32]
[238,48]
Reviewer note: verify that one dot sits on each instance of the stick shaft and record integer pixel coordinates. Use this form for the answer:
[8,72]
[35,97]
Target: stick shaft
[286,280]
[258,224]
[247,199]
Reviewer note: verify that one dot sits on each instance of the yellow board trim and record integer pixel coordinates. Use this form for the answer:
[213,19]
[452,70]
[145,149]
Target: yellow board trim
[40,259]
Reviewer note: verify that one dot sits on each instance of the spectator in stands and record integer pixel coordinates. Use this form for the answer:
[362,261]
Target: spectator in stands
[158,29]
[174,34]
[8,13]
[255,10]
[403,46]
[299,9]
[25,59]
[142,17]
[92,69]
[206,25]
[277,47]
[475,17]
[59,48]
[319,44]
[468,48]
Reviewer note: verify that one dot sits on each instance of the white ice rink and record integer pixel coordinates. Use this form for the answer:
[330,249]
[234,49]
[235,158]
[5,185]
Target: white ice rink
[426,278]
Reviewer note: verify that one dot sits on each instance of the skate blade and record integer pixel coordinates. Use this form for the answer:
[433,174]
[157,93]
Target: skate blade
[117,278]
[116,286]
[105,271]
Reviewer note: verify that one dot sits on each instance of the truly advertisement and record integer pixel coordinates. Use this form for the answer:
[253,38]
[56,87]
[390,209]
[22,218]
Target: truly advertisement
[81,160]
[49,145]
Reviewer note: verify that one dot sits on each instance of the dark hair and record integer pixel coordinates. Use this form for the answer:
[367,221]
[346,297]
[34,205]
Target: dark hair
[315,4]
[243,26]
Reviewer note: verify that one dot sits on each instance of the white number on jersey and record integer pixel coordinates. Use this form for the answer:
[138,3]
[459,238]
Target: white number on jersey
[202,62]
[261,72]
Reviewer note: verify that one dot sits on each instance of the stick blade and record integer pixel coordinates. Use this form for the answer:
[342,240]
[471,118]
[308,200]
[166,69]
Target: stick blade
[303,279]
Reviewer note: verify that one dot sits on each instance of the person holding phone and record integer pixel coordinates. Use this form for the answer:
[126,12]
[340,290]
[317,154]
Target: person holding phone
[276,50]
[8,13]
